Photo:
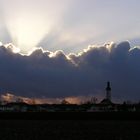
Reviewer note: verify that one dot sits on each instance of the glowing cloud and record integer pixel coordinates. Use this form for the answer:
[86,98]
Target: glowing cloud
[27,32]
[12,48]
[1,44]
[52,75]
[28,22]
[69,25]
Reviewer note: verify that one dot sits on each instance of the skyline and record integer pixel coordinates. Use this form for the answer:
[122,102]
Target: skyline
[6,98]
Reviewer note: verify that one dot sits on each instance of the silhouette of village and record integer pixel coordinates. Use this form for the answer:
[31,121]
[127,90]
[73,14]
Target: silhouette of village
[106,105]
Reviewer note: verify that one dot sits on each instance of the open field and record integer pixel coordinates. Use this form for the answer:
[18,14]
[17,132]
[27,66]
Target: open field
[69,130]
[70,116]
[70,126]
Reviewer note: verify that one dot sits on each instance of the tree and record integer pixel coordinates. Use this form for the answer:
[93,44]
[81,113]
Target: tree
[19,100]
[94,100]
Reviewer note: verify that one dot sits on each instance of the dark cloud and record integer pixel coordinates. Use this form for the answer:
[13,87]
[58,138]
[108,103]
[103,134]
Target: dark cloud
[47,74]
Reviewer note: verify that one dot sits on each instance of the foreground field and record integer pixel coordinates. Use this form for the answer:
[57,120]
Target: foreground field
[69,130]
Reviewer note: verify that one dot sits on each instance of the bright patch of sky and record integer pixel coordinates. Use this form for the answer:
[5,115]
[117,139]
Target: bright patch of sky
[70,25]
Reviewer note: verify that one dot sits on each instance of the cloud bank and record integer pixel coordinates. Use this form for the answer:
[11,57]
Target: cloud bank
[56,75]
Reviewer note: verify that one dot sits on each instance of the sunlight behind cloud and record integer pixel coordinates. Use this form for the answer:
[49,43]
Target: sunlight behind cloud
[67,25]
[1,44]
[26,32]
[12,48]
[28,22]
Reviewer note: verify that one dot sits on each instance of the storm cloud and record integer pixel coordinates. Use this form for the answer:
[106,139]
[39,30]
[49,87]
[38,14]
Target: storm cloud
[56,75]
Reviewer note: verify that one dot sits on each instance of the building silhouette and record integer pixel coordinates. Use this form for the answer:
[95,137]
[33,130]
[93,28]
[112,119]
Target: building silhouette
[107,100]
[108,91]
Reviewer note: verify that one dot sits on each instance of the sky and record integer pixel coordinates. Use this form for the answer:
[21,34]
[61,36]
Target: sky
[70,48]
[68,25]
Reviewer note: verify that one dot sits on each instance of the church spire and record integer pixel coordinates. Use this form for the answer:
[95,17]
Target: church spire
[108,91]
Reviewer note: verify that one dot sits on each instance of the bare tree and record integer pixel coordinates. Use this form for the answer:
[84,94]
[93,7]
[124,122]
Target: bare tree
[94,100]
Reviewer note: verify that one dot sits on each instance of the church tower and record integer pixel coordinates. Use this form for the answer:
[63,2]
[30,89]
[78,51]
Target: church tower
[108,91]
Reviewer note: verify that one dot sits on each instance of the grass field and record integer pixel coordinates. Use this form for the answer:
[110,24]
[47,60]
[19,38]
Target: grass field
[69,130]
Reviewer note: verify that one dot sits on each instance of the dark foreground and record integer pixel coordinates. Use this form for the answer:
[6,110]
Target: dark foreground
[70,116]
[70,129]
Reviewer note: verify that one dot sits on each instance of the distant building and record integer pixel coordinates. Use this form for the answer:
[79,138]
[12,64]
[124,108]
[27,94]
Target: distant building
[107,100]
[108,91]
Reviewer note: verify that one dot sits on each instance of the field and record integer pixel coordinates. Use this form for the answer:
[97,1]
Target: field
[69,130]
